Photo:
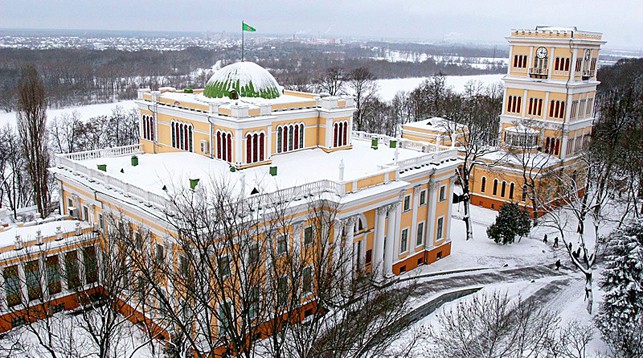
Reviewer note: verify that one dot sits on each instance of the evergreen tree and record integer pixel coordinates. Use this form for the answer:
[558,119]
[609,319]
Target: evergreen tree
[511,222]
[621,314]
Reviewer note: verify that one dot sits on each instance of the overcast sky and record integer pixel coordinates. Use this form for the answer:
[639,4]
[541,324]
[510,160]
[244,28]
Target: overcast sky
[488,21]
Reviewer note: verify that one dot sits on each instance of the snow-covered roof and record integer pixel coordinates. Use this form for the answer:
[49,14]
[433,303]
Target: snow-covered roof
[174,170]
[247,78]
[436,124]
[30,232]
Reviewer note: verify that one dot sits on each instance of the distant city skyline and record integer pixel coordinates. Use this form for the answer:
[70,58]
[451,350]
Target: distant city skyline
[472,21]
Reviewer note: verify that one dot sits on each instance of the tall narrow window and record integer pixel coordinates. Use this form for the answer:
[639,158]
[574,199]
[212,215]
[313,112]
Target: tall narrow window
[335,129]
[296,144]
[419,237]
[503,188]
[32,274]
[248,148]
[12,286]
[229,151]
[483,184]
[53,275]
[261,146]
[279,139]
[255,147]
[290,138]
[495,187]
[345,136]
[440,229]
[524,193]
[511,191]
[219,145]
[301,135]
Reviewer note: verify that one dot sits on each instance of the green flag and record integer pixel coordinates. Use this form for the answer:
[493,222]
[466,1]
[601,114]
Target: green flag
[246,27]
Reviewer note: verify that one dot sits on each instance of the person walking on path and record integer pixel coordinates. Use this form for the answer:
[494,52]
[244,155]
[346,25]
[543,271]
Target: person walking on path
[545,239]
[556,242]
[557,265]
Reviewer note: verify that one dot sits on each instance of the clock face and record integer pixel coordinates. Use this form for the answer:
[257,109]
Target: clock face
[588,54]
[541,52]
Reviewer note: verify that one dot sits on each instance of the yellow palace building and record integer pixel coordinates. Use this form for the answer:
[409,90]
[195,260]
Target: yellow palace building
[546,120]
[392,195]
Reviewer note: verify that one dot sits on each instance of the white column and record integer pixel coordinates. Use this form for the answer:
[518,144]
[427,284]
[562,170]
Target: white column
[572,67]
[414,225]
[268,153]
[337,239]
[530,58]
[511,59]
[550,65]
[429,238]
[523,110]
[348,248]
[546,106]
[238,146]
[449,218]
[378,245]
[329,132]
[391,233]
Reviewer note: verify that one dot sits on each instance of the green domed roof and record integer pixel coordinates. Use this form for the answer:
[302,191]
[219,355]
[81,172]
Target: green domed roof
[247,78]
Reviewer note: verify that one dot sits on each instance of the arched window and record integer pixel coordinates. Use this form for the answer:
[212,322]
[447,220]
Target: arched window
[249,148]
[524,192]
[261,147]
[503,189]
[511,191]
[290,138]
[546,147]
[495,187]
[279,139]
[345,134]
[335,135]
[296,144]
[218,145]
[182,136]
[301,135]
[556,150]
[285,142]
[255,147]
[483,184]
[229,151]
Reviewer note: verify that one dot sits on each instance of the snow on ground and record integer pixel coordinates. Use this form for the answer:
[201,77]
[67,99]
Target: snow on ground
[389,87]
[563,293]
[86,112]
[130,342]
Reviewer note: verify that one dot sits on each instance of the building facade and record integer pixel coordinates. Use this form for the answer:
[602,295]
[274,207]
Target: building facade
[546,119]
[391,195]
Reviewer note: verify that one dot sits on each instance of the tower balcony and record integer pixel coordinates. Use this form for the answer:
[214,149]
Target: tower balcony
[587,74]
[535,72]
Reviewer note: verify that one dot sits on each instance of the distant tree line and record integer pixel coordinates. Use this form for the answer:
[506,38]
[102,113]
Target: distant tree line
[85,76]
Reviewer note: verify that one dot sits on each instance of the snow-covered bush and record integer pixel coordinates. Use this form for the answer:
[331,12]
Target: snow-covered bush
[511,222]
[621,314]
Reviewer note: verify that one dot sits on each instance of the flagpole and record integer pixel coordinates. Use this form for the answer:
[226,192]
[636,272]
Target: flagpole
[241,40]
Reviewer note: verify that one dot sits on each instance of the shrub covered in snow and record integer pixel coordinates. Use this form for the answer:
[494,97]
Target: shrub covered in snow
[511,222]
[621,314]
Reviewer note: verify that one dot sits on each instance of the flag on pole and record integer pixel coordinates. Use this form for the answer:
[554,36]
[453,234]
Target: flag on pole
[246,27]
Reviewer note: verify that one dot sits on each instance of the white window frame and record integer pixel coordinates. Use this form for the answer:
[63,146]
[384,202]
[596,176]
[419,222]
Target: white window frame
[406,249]
[423,194]
[312,233]
[443,193]
[285,240]
[439,232]
[407,200]
[312,282]
[420,233]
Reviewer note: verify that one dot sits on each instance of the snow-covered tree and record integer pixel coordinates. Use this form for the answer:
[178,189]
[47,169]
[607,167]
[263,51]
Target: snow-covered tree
[511,222]
[621,313]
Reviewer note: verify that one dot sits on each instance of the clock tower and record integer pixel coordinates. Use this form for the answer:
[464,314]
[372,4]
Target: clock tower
[548,108]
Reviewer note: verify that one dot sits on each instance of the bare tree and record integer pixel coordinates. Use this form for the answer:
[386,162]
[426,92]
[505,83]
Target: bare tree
[490,325]
[32,128]
[473,126]
[332,81]
[15,191]
[362,85]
